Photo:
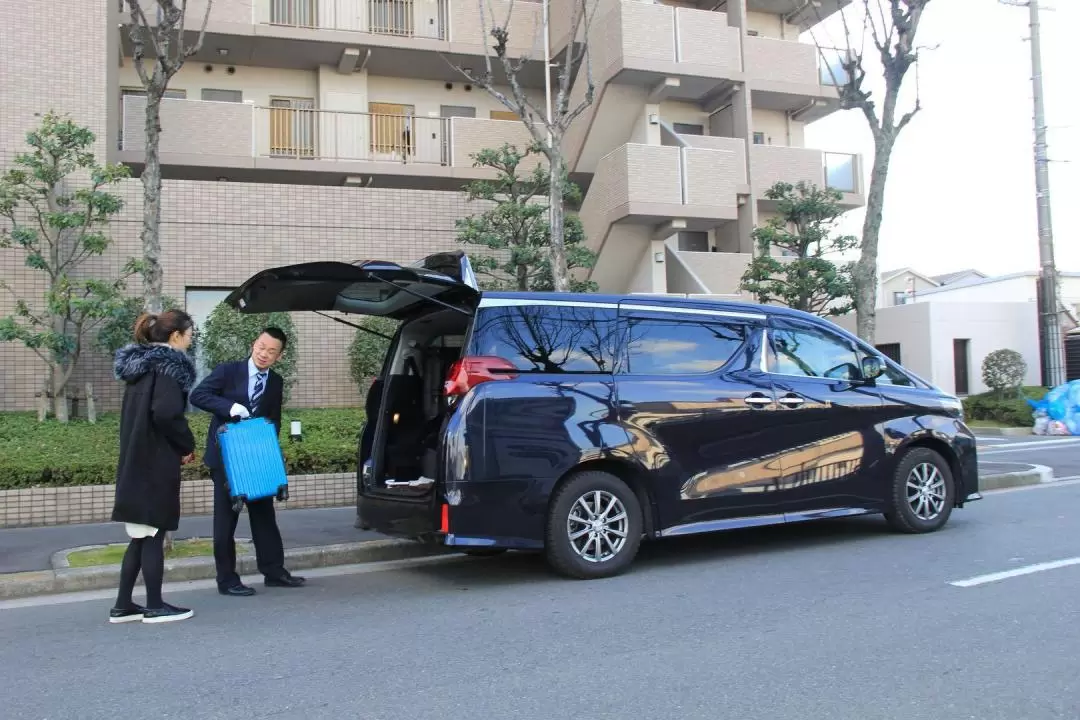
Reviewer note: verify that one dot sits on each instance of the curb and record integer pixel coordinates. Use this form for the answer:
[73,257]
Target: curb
[64,579]
[1001,432]
[1036,475]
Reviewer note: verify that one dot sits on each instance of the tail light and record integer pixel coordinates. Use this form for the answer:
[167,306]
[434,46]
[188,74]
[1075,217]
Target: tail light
[444,519]
[469,372]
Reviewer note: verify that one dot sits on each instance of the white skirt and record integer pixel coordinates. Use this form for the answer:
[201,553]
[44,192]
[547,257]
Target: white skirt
[136,531]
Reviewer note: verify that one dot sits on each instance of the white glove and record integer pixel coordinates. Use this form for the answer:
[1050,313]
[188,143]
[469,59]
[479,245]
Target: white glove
[238,410]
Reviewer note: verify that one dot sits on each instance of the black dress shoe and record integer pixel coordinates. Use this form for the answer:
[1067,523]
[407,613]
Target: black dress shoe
[285,580]
[237,591]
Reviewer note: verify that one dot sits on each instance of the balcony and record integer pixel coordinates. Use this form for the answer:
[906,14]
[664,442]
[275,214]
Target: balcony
[770,164]
[400,33]
[262,144]
[793,77]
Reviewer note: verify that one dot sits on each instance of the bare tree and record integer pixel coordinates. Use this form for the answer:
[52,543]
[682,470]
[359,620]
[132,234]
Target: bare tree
[892,26]
[163,37]
[547,130]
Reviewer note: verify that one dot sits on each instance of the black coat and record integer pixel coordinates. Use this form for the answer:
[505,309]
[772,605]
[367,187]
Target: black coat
[154,434]
[228,385]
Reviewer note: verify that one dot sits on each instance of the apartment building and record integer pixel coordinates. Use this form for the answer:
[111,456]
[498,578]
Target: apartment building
[339,129]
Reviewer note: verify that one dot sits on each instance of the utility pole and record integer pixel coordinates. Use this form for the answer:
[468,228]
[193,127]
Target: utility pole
[1053,352]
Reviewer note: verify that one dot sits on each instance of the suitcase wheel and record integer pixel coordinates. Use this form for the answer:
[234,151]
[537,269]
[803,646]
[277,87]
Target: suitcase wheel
[283,493]
[238,504]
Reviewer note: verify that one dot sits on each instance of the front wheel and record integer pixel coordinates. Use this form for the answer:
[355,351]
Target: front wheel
[922,493]
[594,526]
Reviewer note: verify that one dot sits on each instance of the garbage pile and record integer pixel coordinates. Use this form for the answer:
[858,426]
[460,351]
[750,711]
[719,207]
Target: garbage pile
[1059,412]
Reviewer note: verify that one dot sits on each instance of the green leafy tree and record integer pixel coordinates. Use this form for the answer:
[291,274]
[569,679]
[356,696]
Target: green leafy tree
[806,279]
[57,206]
[229,335]
[516,227]
[1003,371]
[117,330]
[368,351]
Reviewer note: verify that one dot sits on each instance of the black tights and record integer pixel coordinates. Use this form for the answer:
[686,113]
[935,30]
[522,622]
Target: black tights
[148,555]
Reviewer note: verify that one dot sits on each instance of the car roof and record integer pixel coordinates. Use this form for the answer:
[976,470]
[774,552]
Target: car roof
[672,301]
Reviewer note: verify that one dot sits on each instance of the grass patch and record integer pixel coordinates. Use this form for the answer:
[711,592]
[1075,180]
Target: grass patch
[49,454]
[114,554]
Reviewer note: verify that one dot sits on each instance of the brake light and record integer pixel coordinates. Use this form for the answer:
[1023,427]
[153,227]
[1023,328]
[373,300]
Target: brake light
[469,372]
[444,521]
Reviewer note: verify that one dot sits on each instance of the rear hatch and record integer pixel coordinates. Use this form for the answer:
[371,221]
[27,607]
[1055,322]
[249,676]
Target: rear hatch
[367,287]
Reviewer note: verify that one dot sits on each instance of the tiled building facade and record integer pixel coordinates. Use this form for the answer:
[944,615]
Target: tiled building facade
[337,129]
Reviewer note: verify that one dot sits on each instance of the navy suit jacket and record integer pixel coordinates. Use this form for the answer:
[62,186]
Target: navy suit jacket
[227,385]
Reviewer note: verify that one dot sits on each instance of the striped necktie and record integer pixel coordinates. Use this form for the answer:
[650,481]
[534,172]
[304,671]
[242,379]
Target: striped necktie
[260,386]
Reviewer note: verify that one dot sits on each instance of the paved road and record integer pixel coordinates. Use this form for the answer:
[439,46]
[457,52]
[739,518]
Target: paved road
[837,620]
[1006,454]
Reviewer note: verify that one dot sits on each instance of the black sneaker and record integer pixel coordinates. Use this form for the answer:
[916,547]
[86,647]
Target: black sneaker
[166,613]
[132,613]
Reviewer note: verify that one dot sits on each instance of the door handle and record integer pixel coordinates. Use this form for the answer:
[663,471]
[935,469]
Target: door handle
[791,400]
[757,400]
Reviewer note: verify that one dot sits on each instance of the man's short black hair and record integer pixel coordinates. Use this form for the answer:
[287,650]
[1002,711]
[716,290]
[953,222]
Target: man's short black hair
[278,334]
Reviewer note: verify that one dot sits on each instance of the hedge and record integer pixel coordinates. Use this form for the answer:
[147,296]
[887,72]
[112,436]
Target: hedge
[34,454]
[1012,411]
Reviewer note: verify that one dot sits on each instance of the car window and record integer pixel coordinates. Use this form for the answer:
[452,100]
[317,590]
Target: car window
[549,338]
[672,346]
[811,352]
[892,376]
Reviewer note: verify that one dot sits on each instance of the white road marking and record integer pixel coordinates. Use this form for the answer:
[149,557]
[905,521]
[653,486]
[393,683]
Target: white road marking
[1056,482]
[1015,572]
[1039,443]
[210,584]
[991,439]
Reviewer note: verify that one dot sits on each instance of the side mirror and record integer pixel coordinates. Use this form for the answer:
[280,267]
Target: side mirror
[872,368]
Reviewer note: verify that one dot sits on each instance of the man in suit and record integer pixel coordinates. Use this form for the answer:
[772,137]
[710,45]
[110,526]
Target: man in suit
[236,391]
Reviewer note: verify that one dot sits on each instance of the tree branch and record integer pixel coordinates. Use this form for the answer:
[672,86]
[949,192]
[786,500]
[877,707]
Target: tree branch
[191,50]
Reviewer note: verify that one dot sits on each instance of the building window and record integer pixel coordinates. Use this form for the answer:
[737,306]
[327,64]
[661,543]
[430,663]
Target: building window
[199,303]
[292,127]
[689,129]
[900,297]
[232,96]
[759,138]
[295,13]
[693,241]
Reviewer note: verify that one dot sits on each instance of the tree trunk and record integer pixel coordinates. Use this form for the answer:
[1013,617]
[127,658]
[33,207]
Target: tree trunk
[151,181]
[61,408]
[559,273]
[43,399]
[523,278]
[865,273]
[91,407]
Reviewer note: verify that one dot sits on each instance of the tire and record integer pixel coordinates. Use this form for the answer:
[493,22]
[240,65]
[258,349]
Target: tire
[909,512]
[483,552]
[569,556]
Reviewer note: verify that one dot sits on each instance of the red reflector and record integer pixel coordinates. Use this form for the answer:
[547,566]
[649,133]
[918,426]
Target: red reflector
[468,372]
[444,525]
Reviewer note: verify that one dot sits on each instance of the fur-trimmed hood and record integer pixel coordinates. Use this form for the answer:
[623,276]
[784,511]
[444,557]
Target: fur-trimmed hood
[135,360]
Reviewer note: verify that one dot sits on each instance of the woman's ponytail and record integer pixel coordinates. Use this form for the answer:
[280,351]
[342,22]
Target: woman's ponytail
[142,328]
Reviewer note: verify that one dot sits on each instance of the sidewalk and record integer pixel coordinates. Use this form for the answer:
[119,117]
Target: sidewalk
[28,549]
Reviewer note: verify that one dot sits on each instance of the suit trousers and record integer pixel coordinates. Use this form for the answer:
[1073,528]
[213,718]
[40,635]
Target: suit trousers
[269,551]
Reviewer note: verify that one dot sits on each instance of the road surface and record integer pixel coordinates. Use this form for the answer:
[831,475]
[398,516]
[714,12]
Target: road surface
[836,620]
[997,455]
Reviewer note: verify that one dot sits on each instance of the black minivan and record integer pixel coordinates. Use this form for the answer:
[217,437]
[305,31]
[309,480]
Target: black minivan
[579,424]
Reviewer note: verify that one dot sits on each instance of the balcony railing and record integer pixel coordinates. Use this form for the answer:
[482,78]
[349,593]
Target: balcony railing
[771,164]
[840,172]
[831,68]
[222,129]
[399,18]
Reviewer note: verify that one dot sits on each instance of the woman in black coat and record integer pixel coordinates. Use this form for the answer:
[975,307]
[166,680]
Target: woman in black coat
[155,440]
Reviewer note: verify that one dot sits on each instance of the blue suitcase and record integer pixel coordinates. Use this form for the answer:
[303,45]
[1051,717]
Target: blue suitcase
[254,464]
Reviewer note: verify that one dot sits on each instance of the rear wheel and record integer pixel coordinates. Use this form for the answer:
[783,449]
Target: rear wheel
[594,526]
[922,493]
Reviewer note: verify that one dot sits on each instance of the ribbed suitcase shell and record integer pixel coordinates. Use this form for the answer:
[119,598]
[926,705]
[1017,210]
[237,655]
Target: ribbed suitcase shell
[253,461]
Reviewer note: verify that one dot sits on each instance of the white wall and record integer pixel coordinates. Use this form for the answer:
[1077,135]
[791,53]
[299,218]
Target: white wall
[925,333]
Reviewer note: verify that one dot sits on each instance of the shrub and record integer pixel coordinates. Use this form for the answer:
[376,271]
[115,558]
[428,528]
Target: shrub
[1004,370]
[229,335]
[1012,411]
[367,352]
[33,455]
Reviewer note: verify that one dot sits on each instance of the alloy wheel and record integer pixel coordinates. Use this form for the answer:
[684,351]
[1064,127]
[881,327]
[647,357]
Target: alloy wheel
[597,526]
[926,491]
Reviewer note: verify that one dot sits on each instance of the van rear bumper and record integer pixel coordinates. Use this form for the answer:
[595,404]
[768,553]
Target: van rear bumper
[399,517]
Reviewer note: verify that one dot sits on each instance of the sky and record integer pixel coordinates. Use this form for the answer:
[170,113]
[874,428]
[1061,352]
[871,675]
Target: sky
[961,188]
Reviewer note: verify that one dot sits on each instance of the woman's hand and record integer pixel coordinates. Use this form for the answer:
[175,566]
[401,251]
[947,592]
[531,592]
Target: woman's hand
[189,458]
